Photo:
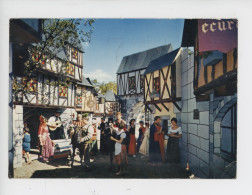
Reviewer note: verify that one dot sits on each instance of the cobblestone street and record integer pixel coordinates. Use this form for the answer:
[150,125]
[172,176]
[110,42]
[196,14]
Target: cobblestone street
[137,168]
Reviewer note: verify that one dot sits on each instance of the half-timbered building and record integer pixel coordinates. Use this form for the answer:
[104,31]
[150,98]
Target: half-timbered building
[111,105]
[22,33]
[163,86]
[43,93]
[130,81]
[86,97]
[208,114]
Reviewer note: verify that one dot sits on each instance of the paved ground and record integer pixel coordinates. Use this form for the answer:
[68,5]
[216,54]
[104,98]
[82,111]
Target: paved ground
[59,168]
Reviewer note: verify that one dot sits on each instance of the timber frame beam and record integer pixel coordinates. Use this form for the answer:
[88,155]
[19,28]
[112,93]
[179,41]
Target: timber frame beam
[162,101]
[165,107]
[148,108]
[157,107]
[177,106]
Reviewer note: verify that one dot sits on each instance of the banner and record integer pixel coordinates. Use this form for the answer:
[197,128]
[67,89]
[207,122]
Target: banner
[218,35]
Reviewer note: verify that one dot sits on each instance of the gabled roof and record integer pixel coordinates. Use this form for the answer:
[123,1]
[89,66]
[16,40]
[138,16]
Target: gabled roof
[162,61]
[110,96]
[85,82]
[142,59]
[101,95]
[78,45]
[90,81]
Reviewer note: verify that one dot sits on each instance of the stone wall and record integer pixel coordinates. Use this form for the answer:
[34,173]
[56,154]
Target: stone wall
[201,139]
[195,139]
[18,126]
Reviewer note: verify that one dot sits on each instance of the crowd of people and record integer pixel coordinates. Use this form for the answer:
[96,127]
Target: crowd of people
[117,139]
[150,142]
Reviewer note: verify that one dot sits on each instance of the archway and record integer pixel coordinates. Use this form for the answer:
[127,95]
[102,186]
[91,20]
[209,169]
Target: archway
[218,122]
[225,137]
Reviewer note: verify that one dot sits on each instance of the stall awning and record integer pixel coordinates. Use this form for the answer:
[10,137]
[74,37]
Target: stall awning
[164,60]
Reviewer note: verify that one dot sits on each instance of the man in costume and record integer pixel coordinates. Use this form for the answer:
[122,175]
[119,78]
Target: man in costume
[154,147]
[55,126]
[89,131]
[102,128]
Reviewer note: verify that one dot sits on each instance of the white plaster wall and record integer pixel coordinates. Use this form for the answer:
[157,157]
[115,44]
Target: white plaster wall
[17,135]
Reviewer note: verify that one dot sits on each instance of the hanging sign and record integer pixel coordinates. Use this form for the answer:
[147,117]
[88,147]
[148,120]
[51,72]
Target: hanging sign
[218,35]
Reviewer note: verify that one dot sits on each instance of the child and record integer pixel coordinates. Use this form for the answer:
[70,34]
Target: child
[26,143]
[121,158]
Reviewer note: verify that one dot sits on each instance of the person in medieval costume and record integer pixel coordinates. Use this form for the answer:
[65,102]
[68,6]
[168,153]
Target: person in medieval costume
[144,148]
[132,143]
[55,126]
[174,134]
[160,138]
[140,136]
[87,140]
[121,158]
[94,147]
[110,144]
[45,142]
[119,120]
[102,127]
[154,147]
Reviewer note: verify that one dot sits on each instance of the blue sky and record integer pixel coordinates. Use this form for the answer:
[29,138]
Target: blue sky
[113,39]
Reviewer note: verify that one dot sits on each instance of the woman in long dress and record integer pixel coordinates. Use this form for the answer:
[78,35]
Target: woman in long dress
[45,141]
[132,144]
[141,135]
[144,148]
[174,134]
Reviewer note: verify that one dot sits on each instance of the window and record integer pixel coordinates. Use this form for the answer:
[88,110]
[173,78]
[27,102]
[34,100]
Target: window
[30,84]
[74,54]
[62,91]
[38,58]
[142,83]
[156,85]
[78,100]
[70,69]
[132,84]
[229,133]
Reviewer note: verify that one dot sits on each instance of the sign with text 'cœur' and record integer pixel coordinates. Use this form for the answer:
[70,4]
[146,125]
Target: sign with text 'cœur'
[218,35]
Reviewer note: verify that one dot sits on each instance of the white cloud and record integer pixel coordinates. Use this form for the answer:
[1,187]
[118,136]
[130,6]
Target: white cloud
[101,75]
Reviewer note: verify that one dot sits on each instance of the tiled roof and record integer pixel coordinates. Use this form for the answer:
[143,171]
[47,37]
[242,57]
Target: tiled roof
[110,96]
[162,61]
[142,59]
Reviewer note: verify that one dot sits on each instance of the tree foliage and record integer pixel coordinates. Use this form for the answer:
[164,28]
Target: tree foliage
[103,87]
[57,36]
